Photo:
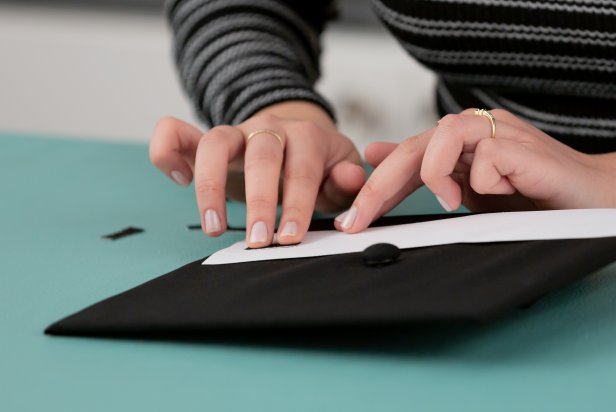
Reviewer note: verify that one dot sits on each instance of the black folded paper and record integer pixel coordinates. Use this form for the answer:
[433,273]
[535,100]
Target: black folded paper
[449,283]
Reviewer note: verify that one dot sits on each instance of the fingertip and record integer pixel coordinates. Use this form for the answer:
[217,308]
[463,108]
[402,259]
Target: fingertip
[337,226]
[351,221]
[259,235]
[289,234]
[452,199]
[212,224]
[348,177]
[339,219]
[443,203]
[214,234]
[180,178]
[257,245]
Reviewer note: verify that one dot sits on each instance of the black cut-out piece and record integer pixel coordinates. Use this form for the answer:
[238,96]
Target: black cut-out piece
[229,228]
[328,223]
[271,246]
[123,233]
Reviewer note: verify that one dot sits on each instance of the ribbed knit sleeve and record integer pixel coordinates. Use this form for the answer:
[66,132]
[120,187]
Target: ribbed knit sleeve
[550,62]
[547,46]
[236,57]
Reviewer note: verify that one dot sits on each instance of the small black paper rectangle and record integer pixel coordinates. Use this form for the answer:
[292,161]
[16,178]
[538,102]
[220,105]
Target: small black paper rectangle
[129,231]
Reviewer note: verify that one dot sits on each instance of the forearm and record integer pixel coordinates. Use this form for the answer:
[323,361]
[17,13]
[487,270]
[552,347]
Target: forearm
[237,57]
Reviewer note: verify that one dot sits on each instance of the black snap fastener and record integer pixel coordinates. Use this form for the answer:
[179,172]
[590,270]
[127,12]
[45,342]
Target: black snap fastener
[380,254]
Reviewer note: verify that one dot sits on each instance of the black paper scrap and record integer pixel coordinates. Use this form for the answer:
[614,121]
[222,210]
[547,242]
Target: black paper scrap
[229,228]
[123,233]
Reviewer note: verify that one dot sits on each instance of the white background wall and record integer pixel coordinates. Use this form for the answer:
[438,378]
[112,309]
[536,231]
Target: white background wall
[104,74]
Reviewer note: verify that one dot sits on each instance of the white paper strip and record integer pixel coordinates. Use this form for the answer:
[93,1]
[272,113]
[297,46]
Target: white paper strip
[490,227]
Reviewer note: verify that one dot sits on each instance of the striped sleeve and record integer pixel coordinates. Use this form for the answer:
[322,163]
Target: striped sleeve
[236,57]
[550,62]
[546,46]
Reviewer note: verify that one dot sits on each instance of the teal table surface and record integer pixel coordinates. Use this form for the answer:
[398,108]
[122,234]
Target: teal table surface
[59,196]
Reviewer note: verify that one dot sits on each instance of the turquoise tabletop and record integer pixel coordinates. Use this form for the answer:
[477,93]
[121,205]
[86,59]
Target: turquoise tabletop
[59,196]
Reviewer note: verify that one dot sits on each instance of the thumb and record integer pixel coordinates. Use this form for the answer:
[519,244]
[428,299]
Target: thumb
[341,186]
[504,167]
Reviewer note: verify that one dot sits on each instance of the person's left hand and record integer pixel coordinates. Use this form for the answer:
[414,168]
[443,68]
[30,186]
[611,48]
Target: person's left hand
[522,168]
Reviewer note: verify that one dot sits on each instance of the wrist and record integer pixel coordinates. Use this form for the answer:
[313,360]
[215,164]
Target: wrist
[606,165]
[300,110]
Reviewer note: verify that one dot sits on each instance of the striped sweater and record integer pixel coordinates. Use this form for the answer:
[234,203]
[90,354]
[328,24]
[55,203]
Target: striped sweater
[550,62]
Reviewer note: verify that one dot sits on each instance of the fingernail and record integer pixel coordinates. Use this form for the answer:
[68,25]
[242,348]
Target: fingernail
[258,234]
[341,216]
[212,221]
[349,219]
[289,229]
[443,203]
[179,178]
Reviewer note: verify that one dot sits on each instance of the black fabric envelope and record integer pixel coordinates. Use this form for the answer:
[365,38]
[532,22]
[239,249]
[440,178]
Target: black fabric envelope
[450,283]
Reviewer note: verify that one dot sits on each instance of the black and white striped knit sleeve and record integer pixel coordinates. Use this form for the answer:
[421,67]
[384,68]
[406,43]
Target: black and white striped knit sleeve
[550,62]
[236,57]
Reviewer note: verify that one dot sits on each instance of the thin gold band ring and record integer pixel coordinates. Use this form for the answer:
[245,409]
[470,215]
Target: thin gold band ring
[491,118]
[266,131]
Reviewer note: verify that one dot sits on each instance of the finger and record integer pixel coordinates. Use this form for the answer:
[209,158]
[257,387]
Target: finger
[173,148]
[485,177]
[303,173]
[490,203]
[387,206]
[376,152]
[398,172]
[455,135]
[342,184]
[464,163]
[216,149]
[527,170]
[262,166]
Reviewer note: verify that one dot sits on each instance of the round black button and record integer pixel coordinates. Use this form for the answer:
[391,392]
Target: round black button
[380,254]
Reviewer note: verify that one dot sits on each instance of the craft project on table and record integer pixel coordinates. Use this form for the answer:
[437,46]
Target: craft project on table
[452,282]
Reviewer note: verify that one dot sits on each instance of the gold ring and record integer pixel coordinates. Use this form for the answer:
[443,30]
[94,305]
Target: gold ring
[266,131]
[491,118]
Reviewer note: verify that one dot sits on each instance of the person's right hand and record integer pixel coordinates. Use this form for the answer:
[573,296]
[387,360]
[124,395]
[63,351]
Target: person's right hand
[316,167]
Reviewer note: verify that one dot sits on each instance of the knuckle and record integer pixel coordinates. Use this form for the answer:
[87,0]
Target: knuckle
[218,134]
[449,122]
[295,211]
[164,130]
[157,156]
[426,175]
[207,186]
[484,148]
[501,113]
[166,124]
[267,118]
[303,176]
[305,127]
[408,146]
[263,156]
[259,202]
[478,185]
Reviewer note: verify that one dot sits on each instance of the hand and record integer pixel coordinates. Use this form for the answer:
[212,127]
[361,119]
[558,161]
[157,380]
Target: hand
[319,168]
[522,168]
